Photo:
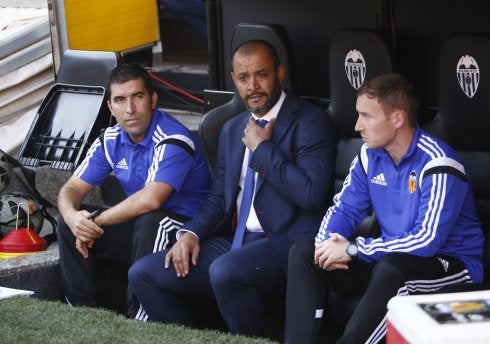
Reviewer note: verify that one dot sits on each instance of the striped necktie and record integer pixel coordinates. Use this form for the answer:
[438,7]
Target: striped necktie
[248,191]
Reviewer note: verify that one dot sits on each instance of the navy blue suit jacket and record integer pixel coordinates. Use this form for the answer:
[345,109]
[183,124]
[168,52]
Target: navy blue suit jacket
[294,186]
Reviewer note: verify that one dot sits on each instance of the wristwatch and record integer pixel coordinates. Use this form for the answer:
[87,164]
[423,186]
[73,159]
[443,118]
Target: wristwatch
[352,249]
[94,214]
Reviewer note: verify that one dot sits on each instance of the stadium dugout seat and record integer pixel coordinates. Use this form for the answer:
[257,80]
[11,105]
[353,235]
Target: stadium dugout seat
[463,119]
[418,30]
[86,67]
[211,123]
[310,26]
[355,55]
[73,112]
[72,115]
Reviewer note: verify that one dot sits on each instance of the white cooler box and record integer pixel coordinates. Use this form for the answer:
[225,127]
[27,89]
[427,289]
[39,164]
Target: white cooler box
[439,318]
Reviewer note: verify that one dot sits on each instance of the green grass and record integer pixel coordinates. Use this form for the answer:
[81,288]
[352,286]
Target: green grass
[30,320]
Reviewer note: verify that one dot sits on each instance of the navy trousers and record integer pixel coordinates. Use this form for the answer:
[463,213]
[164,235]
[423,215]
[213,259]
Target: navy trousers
[242,282]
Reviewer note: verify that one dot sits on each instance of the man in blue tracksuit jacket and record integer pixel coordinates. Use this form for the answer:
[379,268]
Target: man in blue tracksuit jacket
[162,171]
[431,236]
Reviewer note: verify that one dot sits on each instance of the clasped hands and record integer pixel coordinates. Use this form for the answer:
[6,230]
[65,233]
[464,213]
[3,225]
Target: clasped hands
[254,134]
[84,229]
[331,254]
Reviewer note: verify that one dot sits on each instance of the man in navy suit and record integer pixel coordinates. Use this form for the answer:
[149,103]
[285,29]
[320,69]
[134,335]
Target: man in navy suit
[293,158]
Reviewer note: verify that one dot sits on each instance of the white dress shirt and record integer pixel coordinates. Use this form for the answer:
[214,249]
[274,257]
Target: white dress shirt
[253,224]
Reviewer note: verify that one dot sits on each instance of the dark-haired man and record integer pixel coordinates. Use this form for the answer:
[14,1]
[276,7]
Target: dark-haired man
[270,188]
[162,171]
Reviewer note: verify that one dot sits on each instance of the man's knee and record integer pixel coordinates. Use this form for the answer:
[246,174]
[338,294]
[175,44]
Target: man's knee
[62,229]
[149,273]
[391,265]
[301,250]
[136,273]
[222,271]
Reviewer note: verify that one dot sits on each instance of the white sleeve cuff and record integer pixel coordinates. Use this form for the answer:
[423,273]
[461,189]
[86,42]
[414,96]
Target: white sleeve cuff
[181,232]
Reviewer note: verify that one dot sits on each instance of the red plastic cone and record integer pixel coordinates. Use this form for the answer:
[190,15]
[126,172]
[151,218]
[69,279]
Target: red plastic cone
[21,241]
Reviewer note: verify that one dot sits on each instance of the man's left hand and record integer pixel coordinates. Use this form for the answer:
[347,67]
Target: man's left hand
[254,134]
[83,247]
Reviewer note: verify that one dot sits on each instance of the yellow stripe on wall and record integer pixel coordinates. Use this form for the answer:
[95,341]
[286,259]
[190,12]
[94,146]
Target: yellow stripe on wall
[111,25]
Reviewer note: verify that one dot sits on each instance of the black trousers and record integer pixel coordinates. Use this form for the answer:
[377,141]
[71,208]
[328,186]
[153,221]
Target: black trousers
[121,244]
[395,274]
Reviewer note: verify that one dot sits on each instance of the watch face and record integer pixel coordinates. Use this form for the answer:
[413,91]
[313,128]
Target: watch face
[352,250]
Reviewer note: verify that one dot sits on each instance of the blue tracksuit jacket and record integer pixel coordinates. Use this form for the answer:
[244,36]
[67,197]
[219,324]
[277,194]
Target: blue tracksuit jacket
[425,205]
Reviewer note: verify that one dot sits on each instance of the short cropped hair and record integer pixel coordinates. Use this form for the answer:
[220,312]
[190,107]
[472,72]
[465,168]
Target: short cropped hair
[127,72]
[393,92]
[251,46]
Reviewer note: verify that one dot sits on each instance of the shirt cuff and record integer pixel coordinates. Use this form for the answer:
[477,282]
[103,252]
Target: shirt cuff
[182,231]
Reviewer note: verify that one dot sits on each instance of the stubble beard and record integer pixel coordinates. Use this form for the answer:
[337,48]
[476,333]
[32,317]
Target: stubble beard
[270,101]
